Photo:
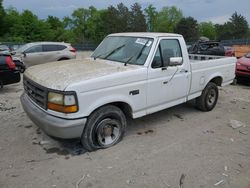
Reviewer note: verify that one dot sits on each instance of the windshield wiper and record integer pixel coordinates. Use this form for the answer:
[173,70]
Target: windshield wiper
[110,52]
[139,54]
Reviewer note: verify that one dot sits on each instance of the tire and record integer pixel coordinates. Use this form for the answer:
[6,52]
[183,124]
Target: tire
[63,58]
[234,81]
[208,99]
[105,127]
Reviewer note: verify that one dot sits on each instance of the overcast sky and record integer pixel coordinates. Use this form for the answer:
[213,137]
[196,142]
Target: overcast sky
[217,11]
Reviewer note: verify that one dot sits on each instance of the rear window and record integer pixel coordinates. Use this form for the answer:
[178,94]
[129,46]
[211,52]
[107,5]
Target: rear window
[53,47]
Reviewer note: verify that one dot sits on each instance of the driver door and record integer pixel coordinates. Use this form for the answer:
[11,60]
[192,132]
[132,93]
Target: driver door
[167,85]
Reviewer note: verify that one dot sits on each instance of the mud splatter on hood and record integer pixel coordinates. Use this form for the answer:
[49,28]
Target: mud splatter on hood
[58,75]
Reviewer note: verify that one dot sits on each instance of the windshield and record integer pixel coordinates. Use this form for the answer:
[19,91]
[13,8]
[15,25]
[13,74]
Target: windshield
[23,48]
[131,50]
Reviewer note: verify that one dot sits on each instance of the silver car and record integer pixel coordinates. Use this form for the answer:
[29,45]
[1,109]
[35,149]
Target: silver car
[43,52]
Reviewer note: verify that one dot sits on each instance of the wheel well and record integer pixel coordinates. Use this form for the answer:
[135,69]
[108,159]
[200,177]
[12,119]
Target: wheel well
[126,108]
[217,80]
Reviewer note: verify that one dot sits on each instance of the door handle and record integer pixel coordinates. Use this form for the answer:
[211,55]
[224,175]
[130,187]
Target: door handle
[183,71]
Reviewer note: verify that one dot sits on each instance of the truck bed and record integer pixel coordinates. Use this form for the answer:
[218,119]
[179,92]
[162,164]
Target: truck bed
[205,67]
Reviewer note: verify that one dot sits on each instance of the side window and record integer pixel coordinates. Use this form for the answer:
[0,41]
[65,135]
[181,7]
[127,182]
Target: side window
[53,47]
[167,48]
[60,47]
[34,49]
[157,62]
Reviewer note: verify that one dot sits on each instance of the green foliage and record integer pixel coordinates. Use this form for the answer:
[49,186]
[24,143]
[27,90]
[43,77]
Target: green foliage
[239,26]
[188,27]
[167,19]
[151,15]
[137,19]
[2,18]
[207,29]
[235,28]
[91,24]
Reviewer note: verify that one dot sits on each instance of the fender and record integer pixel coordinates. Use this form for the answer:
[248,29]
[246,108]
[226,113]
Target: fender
[108,100]
[214,75]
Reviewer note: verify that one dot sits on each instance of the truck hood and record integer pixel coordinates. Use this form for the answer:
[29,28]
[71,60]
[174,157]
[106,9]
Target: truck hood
[58,75]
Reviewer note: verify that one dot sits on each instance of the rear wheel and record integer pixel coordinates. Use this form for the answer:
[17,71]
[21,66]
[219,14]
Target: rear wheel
[105,127]
[208,99]
[63,58]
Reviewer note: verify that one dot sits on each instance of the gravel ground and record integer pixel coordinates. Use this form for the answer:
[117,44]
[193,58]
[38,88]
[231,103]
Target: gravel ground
[177,147]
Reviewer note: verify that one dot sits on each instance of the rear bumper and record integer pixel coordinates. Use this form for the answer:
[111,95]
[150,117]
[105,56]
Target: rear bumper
[51,125]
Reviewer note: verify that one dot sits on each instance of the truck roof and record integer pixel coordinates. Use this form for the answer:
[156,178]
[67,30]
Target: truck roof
[146,34]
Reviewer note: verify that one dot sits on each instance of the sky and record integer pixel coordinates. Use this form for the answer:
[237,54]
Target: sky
[217,11]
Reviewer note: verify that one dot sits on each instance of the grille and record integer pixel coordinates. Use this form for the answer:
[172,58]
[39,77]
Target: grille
[36,92]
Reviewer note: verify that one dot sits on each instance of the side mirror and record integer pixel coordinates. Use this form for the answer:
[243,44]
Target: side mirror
[24,54]
[175,61]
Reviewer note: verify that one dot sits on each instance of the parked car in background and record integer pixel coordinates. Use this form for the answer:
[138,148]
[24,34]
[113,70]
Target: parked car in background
[243,68]
[43,52]
[18,62]
[4,48]
[8,71]
[207,48]
[229,51]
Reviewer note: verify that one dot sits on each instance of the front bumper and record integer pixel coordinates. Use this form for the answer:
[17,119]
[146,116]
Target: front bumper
[240,73]
[51,125]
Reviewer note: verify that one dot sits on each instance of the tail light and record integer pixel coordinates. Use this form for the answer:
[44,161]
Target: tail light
[72,49]
[10,63]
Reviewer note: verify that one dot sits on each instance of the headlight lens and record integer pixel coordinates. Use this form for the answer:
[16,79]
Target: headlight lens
[60,102]
[55,98]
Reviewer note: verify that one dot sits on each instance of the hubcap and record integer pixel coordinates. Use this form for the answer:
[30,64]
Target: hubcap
[211,97]
[108,132]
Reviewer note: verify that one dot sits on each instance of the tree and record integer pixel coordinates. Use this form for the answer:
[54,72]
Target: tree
[123,18]
[116,19]
[239,26]
[207,29]
[79,22]
[235,28]
[95,25]
[2,18]
[151,15]
[224,31]
[188,27]
[137,19]
[56,27]
[167,19]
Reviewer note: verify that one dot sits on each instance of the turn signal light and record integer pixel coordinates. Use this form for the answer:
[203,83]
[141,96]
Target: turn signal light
[62,108]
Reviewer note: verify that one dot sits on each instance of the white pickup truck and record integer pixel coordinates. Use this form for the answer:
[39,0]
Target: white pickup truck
[128,75]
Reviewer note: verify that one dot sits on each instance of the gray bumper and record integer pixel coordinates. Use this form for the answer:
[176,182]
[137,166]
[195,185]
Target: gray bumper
[53,126]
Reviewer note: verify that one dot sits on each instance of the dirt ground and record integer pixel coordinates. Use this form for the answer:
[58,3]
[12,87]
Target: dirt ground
[177,147]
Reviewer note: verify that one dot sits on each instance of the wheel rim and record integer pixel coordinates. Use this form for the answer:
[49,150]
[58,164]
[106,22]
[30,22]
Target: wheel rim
[211,97]
[108,132]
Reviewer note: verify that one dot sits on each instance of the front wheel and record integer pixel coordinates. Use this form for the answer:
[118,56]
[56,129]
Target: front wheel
[208,99]
[105,127]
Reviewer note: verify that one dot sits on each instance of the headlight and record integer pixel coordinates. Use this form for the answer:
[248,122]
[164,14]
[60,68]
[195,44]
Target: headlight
[62,102]
[55,98]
